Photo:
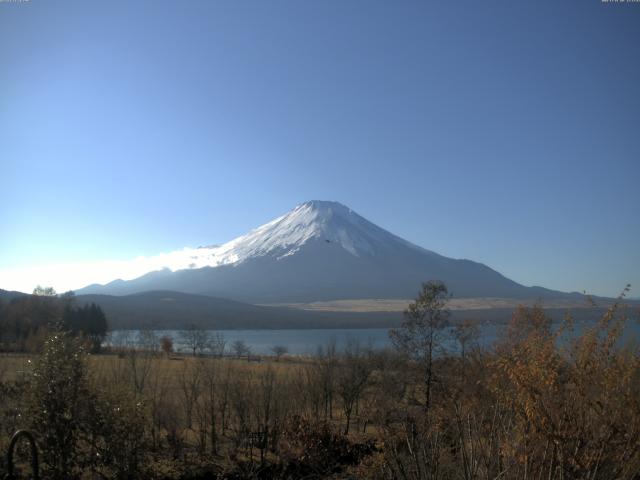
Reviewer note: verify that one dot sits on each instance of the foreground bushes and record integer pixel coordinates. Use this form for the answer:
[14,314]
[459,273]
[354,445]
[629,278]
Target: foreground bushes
[543,404]
[82,426]
[540,404]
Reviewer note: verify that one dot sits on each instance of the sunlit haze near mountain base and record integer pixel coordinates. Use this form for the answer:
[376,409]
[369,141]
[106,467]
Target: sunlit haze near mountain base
[73,275]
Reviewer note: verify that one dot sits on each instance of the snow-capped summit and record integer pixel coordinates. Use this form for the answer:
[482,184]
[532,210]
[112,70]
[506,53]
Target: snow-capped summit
[314,220]
[320,250]
[309,222]
[330,222]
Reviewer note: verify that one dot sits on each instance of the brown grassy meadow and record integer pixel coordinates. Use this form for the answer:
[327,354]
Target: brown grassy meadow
[529,407]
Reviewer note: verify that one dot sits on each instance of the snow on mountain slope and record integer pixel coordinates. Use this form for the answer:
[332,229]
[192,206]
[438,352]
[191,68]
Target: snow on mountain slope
[318,251]
[284,236]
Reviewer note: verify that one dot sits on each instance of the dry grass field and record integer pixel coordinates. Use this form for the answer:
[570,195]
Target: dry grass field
[561,411]
[395,305]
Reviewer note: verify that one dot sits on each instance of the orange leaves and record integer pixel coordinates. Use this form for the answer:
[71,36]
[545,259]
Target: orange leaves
[582,396]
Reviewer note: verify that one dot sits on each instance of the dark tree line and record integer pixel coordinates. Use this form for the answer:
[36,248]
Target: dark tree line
[88,321]
[26,321]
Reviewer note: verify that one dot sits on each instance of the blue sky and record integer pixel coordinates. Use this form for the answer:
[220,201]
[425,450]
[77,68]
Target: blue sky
[505,132]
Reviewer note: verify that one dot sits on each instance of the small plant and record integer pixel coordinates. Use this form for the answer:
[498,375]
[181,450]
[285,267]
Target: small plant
[166,344]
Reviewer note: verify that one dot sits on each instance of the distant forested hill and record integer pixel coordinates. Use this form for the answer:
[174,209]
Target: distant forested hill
[174,310]
[10,295]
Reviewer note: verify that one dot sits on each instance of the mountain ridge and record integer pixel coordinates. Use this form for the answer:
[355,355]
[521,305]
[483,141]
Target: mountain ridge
[319,250]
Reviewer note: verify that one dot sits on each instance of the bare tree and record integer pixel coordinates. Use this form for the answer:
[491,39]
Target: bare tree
[325,368]
[465,333]
[119,340]
[147,340]
[212,387]
[309,392]
[223,396]
[217,344]
[279,351]
[242,405]
[352,378]
[420,332]
[190,380]
[157,391]
[140,358]
[195,338]
[240,348]
[265,407]
[383,404]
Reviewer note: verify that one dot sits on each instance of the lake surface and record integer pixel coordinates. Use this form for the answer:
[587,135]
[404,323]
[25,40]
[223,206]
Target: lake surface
[306,342]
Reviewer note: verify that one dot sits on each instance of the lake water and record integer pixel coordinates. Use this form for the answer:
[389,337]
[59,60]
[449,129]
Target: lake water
[306,342]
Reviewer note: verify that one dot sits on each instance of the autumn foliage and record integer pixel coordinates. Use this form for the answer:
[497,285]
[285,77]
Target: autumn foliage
[549,400]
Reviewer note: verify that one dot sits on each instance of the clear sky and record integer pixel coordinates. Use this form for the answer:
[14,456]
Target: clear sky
[504,132]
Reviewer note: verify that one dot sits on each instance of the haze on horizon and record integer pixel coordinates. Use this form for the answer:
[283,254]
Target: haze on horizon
[502,133]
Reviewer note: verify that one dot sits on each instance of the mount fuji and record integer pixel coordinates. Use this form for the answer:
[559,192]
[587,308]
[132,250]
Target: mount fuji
[318,251]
